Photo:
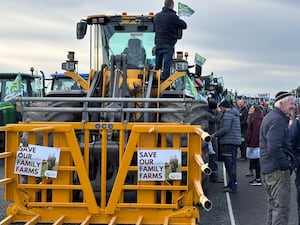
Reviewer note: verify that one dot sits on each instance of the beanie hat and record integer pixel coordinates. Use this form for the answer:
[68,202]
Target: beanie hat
[225,103]
[212,104]
[281,95]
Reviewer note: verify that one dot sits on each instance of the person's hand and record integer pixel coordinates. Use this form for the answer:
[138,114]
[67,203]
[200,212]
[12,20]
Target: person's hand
[212,136]
[293,166]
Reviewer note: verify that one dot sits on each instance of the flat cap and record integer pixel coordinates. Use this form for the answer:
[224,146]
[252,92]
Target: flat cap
[281,95]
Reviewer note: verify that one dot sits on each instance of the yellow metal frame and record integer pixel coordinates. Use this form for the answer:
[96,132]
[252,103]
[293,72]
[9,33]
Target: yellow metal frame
[27,207]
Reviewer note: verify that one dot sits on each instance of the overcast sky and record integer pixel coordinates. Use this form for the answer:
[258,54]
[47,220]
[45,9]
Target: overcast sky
[253,44]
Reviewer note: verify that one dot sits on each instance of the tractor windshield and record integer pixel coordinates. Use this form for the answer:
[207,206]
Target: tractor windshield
[10,89]
[133,36]
[60,82]
[120,42]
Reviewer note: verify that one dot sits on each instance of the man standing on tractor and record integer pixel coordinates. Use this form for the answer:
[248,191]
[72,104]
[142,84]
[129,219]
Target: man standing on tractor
[168,28]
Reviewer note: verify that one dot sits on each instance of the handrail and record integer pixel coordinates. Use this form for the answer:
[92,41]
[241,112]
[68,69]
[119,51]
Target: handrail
[104,99]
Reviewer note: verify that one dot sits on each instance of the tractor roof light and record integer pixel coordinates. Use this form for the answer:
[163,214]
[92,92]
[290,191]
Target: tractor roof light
[181,66]
[71,56]
[179,55]
[186,54]
[70,64]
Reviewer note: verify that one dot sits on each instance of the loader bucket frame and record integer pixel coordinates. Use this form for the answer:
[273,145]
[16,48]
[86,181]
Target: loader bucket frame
[156,202]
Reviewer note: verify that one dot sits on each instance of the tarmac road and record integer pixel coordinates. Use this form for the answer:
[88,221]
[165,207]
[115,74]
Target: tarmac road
[3,204]
[248,204]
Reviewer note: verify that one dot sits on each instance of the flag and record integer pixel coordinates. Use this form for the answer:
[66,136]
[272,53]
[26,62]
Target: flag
[190,89]
[199,60]
[184,10]
[16,89]
[199,82]
[16,85]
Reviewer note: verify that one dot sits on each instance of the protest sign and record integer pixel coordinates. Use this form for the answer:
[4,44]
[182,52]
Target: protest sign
[37,161]
[159,165]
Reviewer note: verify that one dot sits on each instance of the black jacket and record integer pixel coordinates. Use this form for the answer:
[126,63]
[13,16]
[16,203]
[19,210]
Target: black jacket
[274,142]
[295,137]
[166,26]
[243,120]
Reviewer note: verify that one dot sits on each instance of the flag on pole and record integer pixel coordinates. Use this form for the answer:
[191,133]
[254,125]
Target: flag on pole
[16,89]
[16,85]
[190,89]
[184,10]
[199,60]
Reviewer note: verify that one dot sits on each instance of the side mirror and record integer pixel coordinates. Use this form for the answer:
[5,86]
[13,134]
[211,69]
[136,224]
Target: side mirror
[81,29]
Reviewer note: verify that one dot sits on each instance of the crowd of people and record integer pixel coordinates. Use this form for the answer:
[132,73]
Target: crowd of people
[268,138]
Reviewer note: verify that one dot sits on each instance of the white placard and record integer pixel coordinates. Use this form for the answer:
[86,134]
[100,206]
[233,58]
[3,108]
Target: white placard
[159,165]
[37,161]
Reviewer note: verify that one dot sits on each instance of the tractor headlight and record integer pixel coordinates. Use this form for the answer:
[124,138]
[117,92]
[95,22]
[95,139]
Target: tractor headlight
[181,66]
[69,66]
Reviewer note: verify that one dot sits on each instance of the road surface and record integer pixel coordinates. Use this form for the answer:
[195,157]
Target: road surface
[245,207]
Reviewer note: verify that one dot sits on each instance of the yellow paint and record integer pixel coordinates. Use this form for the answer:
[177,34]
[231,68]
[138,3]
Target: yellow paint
[151,205]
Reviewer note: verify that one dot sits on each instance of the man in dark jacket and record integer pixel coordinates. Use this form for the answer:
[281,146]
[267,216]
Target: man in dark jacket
[243,108]
[275,147]
[229,136]
[295,139]
[214,117]
[167,26]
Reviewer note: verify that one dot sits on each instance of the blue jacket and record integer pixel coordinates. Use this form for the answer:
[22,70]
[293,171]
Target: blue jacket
[230,128]
[295,137]
[166,26]
[274,142]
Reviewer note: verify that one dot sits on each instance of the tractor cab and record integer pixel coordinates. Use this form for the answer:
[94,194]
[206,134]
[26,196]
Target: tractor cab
[62,85]
[13,85]
[120,34]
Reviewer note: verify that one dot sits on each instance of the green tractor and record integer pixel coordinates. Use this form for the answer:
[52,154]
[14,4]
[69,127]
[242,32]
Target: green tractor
[13,85]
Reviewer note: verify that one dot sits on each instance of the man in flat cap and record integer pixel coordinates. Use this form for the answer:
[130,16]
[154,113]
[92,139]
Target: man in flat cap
[275,146]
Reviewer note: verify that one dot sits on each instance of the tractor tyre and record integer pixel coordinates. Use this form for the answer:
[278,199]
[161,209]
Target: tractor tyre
[51,117]
[196,114]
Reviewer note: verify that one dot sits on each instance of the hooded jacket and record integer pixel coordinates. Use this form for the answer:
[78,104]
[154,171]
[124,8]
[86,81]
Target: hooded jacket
[230,128]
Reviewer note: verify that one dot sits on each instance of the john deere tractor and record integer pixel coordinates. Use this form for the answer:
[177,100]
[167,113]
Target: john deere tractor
[134,156]
[11,86]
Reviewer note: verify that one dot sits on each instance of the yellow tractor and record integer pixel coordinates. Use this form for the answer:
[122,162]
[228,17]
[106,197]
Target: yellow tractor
[133,156]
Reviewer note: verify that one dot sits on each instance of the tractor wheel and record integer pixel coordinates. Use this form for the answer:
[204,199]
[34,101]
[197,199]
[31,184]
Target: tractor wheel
[51,117]
[196,115]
